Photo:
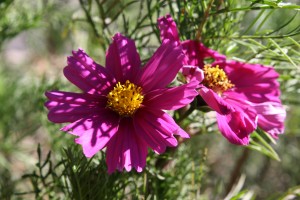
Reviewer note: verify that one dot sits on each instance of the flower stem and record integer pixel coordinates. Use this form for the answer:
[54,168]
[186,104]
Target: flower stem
[205,16]
[89,19]
[185,114]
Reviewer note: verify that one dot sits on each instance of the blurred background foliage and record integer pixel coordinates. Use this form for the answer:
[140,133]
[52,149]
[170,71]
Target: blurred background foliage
[37,161]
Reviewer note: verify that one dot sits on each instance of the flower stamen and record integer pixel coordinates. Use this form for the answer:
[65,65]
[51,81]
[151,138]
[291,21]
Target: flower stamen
[125,99]
[216,79]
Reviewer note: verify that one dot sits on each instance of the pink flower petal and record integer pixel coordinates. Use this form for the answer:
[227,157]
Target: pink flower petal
[114,154]
[162,67]
[87,75]
[69,107]
[157,129]
[58,97]
[63,112]
[229,133]
[238,125]
[168,28]
[153,130]
[83,124]
[165,122]
[255,82]
[196,53]
[157,144]
[271,117]
[122,59]
[168,123]
[192,73]
[214,101]
[135,150]
[172,98]
[126,149]
[80,126]
[102,130]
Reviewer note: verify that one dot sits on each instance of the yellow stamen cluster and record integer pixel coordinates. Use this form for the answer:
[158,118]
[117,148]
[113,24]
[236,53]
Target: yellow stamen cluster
[125,99]
[216,79]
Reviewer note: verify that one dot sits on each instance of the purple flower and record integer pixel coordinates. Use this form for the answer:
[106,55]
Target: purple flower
[122,105]
[243,95]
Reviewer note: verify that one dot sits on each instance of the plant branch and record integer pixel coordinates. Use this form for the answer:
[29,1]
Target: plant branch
[255,36]
[206,14]
[227,10]
[89,18]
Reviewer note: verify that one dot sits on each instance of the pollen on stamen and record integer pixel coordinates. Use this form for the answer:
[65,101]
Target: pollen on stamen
[216,79]
[125,99]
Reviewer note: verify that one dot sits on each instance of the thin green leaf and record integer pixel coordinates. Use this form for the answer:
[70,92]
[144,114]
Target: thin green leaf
[284,54]
[262,146]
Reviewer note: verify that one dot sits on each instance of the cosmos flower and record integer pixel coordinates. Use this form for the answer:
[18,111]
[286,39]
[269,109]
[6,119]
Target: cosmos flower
[243,95]
[121,107]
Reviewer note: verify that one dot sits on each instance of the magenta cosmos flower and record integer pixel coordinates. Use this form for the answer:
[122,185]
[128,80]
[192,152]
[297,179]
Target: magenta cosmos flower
[243,95]
[122,105]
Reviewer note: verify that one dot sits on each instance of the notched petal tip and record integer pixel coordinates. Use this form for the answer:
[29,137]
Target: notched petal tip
[117,36]
[139,169]
[78,51]
[50,104]
[47,93]
[128,168]
[182,133]
[86,74]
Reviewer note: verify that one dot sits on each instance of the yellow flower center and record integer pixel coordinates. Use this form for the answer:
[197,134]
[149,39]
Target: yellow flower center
[125,99]
[216,79]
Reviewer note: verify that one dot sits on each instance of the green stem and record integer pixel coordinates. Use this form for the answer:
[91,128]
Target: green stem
[145,185]
[227,10]
[254,36]
[206,14]
[185,114]
[89,18]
